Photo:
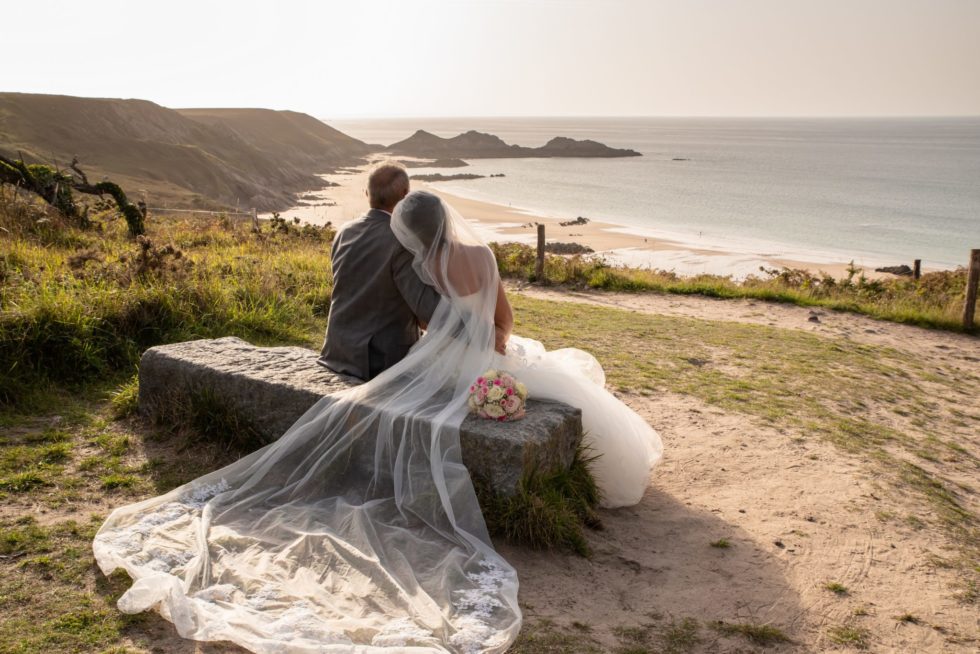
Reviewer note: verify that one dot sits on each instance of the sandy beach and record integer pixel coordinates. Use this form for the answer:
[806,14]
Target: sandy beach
[345,200]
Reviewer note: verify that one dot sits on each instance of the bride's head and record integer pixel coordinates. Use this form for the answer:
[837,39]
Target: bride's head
[424,216]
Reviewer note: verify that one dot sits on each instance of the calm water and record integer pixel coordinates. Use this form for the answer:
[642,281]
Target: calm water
[875,190]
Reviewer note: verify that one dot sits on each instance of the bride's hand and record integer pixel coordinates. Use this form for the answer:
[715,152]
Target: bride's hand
[501,338]
[503,320]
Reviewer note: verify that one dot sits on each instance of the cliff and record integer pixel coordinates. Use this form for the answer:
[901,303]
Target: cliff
[191,157]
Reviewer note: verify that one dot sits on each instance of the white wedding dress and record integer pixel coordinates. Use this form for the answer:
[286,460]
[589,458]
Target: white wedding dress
[358,531]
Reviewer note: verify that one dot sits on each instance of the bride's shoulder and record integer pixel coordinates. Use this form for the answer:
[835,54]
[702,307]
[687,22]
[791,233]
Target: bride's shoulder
[476,252]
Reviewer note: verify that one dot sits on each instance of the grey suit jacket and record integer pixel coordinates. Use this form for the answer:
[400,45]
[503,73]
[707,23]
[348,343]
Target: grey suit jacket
[377,302]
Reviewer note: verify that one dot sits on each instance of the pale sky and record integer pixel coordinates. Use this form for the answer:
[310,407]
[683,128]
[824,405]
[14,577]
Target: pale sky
[350,58]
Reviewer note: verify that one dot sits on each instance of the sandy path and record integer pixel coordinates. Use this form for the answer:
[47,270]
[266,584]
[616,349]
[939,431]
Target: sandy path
[798,515]
[798,512]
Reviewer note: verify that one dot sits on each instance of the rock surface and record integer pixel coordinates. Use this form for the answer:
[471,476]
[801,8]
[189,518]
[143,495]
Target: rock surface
[902,270]
[272,387]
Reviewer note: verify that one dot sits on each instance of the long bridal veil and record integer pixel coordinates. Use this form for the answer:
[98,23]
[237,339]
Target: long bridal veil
[359,529]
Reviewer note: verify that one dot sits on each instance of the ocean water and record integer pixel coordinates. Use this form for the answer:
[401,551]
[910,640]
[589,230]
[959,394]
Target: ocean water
[876,191]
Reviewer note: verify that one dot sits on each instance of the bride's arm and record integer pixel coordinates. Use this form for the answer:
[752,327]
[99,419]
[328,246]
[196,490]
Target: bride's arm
[503,319]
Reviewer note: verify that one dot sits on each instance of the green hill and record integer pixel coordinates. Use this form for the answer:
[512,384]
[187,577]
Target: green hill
[190,157]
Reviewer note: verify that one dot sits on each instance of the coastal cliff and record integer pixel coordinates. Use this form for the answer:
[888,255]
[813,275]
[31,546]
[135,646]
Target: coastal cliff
[189,157]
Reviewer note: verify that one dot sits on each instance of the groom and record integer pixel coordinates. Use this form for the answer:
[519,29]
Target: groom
[378,302]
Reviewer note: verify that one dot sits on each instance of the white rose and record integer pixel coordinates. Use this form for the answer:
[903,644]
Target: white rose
[496,393]
[522,390]
[493,410]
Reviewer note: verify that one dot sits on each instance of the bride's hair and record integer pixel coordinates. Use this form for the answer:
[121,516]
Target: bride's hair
[425,217]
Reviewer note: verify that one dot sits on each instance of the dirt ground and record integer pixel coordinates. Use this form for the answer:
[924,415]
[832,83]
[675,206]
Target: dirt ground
[798,515]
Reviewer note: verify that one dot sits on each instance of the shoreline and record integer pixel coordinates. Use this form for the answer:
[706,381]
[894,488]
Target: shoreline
[618,244]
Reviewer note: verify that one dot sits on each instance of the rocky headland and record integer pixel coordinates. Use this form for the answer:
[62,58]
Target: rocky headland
[479,145]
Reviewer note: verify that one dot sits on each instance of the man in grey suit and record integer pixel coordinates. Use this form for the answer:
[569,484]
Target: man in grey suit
[378,303]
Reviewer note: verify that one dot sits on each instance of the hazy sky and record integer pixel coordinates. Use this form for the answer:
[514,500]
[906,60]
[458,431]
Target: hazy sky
[507,57]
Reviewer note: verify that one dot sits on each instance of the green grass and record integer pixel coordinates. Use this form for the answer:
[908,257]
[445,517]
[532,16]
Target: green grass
[550,509]
[721,543]
[125,398]
[85,307]
[856,637]
[836,588]
[936,300]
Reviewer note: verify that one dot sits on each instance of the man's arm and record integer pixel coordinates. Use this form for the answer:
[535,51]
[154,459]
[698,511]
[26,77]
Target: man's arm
[421,297]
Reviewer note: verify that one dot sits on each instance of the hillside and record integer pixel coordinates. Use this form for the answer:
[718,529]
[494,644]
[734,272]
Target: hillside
[207,157]
[477,145]
[296,137]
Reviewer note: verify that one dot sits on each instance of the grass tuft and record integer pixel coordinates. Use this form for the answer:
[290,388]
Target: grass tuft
[836,588]
[759,634]
[549,509]
[115,480]
[856,637]
[125,398]
[22,482]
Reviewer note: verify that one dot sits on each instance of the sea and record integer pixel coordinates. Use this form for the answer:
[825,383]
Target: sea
[877,191]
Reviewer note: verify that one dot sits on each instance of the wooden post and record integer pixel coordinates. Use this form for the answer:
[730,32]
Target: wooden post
[972,280]
[917,269]
[255,219]
[539,265]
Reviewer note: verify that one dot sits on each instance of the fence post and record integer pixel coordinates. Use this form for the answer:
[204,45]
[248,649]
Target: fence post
[255,219]
[917,269]
[539,265]
[972,279]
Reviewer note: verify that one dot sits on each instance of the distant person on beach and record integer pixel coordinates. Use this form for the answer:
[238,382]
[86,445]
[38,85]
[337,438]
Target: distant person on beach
[378,304]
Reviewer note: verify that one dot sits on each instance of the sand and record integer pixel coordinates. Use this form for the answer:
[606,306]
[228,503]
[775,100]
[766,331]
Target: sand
[798,512]
[618,244]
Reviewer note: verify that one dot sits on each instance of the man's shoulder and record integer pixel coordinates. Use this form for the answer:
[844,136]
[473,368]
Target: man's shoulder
[369,229]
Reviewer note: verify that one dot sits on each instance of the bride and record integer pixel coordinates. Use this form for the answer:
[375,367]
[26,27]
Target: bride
[359,531]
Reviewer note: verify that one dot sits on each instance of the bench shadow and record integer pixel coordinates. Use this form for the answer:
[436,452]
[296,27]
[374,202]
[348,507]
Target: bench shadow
[655,562]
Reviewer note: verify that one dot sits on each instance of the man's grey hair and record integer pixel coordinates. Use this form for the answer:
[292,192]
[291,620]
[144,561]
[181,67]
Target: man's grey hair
[387,184]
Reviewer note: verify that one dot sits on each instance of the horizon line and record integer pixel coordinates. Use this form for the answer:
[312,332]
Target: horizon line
[631,116]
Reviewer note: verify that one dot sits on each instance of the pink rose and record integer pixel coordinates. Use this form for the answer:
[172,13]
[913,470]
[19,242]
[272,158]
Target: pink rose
[510,391]
[481,381]
[511,404]
[496,382]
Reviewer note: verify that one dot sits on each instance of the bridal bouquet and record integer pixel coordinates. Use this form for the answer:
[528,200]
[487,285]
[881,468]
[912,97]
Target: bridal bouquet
[498,396]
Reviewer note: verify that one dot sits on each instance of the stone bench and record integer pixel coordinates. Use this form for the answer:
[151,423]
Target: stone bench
[271,387]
